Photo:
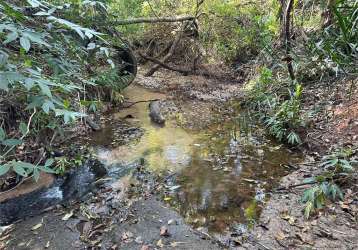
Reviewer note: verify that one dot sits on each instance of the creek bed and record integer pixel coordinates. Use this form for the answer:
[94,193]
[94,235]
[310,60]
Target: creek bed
[222,174]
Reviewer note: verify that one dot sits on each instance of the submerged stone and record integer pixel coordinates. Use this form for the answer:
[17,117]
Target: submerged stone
[155,113]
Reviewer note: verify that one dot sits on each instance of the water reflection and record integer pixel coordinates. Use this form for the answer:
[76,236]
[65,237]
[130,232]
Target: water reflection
[224,173]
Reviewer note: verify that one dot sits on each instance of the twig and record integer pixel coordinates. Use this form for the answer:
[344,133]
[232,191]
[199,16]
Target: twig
[134,103]
[262,245]
[288,58]
[296,185]
[335,178]
[23,136]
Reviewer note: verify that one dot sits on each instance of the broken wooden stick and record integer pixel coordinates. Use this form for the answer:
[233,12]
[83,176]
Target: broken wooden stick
[134,103]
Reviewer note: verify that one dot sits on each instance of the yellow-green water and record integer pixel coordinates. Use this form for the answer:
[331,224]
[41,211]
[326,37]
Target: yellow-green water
[223,174]
[164,148]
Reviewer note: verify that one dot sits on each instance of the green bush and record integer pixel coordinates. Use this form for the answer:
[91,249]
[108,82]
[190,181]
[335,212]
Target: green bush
[46,66]
[281,114]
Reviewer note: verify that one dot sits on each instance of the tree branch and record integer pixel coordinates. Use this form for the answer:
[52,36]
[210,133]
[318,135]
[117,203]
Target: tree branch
[164,65]
[184,71]
[153,20]
[167,56]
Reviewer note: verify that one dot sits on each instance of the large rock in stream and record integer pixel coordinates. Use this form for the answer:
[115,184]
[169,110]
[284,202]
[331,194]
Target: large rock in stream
[31,198]
[155,113]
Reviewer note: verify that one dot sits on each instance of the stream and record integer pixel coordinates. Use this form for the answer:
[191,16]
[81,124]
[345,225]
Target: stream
[215,177]
[222,174]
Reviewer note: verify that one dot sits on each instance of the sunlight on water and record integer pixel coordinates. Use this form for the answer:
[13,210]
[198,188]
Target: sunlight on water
[224,173]
[164,148]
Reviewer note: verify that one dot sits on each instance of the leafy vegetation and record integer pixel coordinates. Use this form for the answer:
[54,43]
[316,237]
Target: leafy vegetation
[47,76]
[281,113]
[337,167]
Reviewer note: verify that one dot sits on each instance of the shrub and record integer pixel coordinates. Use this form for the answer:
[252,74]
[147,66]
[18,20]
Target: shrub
[281,114]
[337,166]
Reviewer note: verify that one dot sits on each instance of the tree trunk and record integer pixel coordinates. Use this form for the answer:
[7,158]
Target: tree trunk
[287,36]
[327,15]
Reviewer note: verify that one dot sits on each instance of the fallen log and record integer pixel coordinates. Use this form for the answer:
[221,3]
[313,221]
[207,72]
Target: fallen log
[153,20]
[164,65]
[182,70]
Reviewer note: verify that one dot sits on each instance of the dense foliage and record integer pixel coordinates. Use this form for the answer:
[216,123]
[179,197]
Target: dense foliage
[48,76]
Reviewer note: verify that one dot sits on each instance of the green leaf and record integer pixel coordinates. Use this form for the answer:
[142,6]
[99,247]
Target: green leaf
[45,89]
[4,83]
[13,76]
[79,32]
[8,10]
[47,170]
[49,162]
[34,3]
[68,115]
[308,209]
[36,101]
[11,37]
[320,178]
[25,43]
[47,106]
[36,174]
[333,192]
[4,169]
[310,179]
[2,134]
[29,83]
[36,38]
[19,169]
[11,142]
[23,128]
[339,192]
[3,58]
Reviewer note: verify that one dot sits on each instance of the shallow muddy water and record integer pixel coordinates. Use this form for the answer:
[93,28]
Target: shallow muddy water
[223,173]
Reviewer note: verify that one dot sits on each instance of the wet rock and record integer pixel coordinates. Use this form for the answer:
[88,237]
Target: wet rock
[172,222]
[205,200]
[237,167]
[29,204]
[164,231]
[75,185]
[224,202]
[97,168]
[94,126]
[155,113]
[80,181]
